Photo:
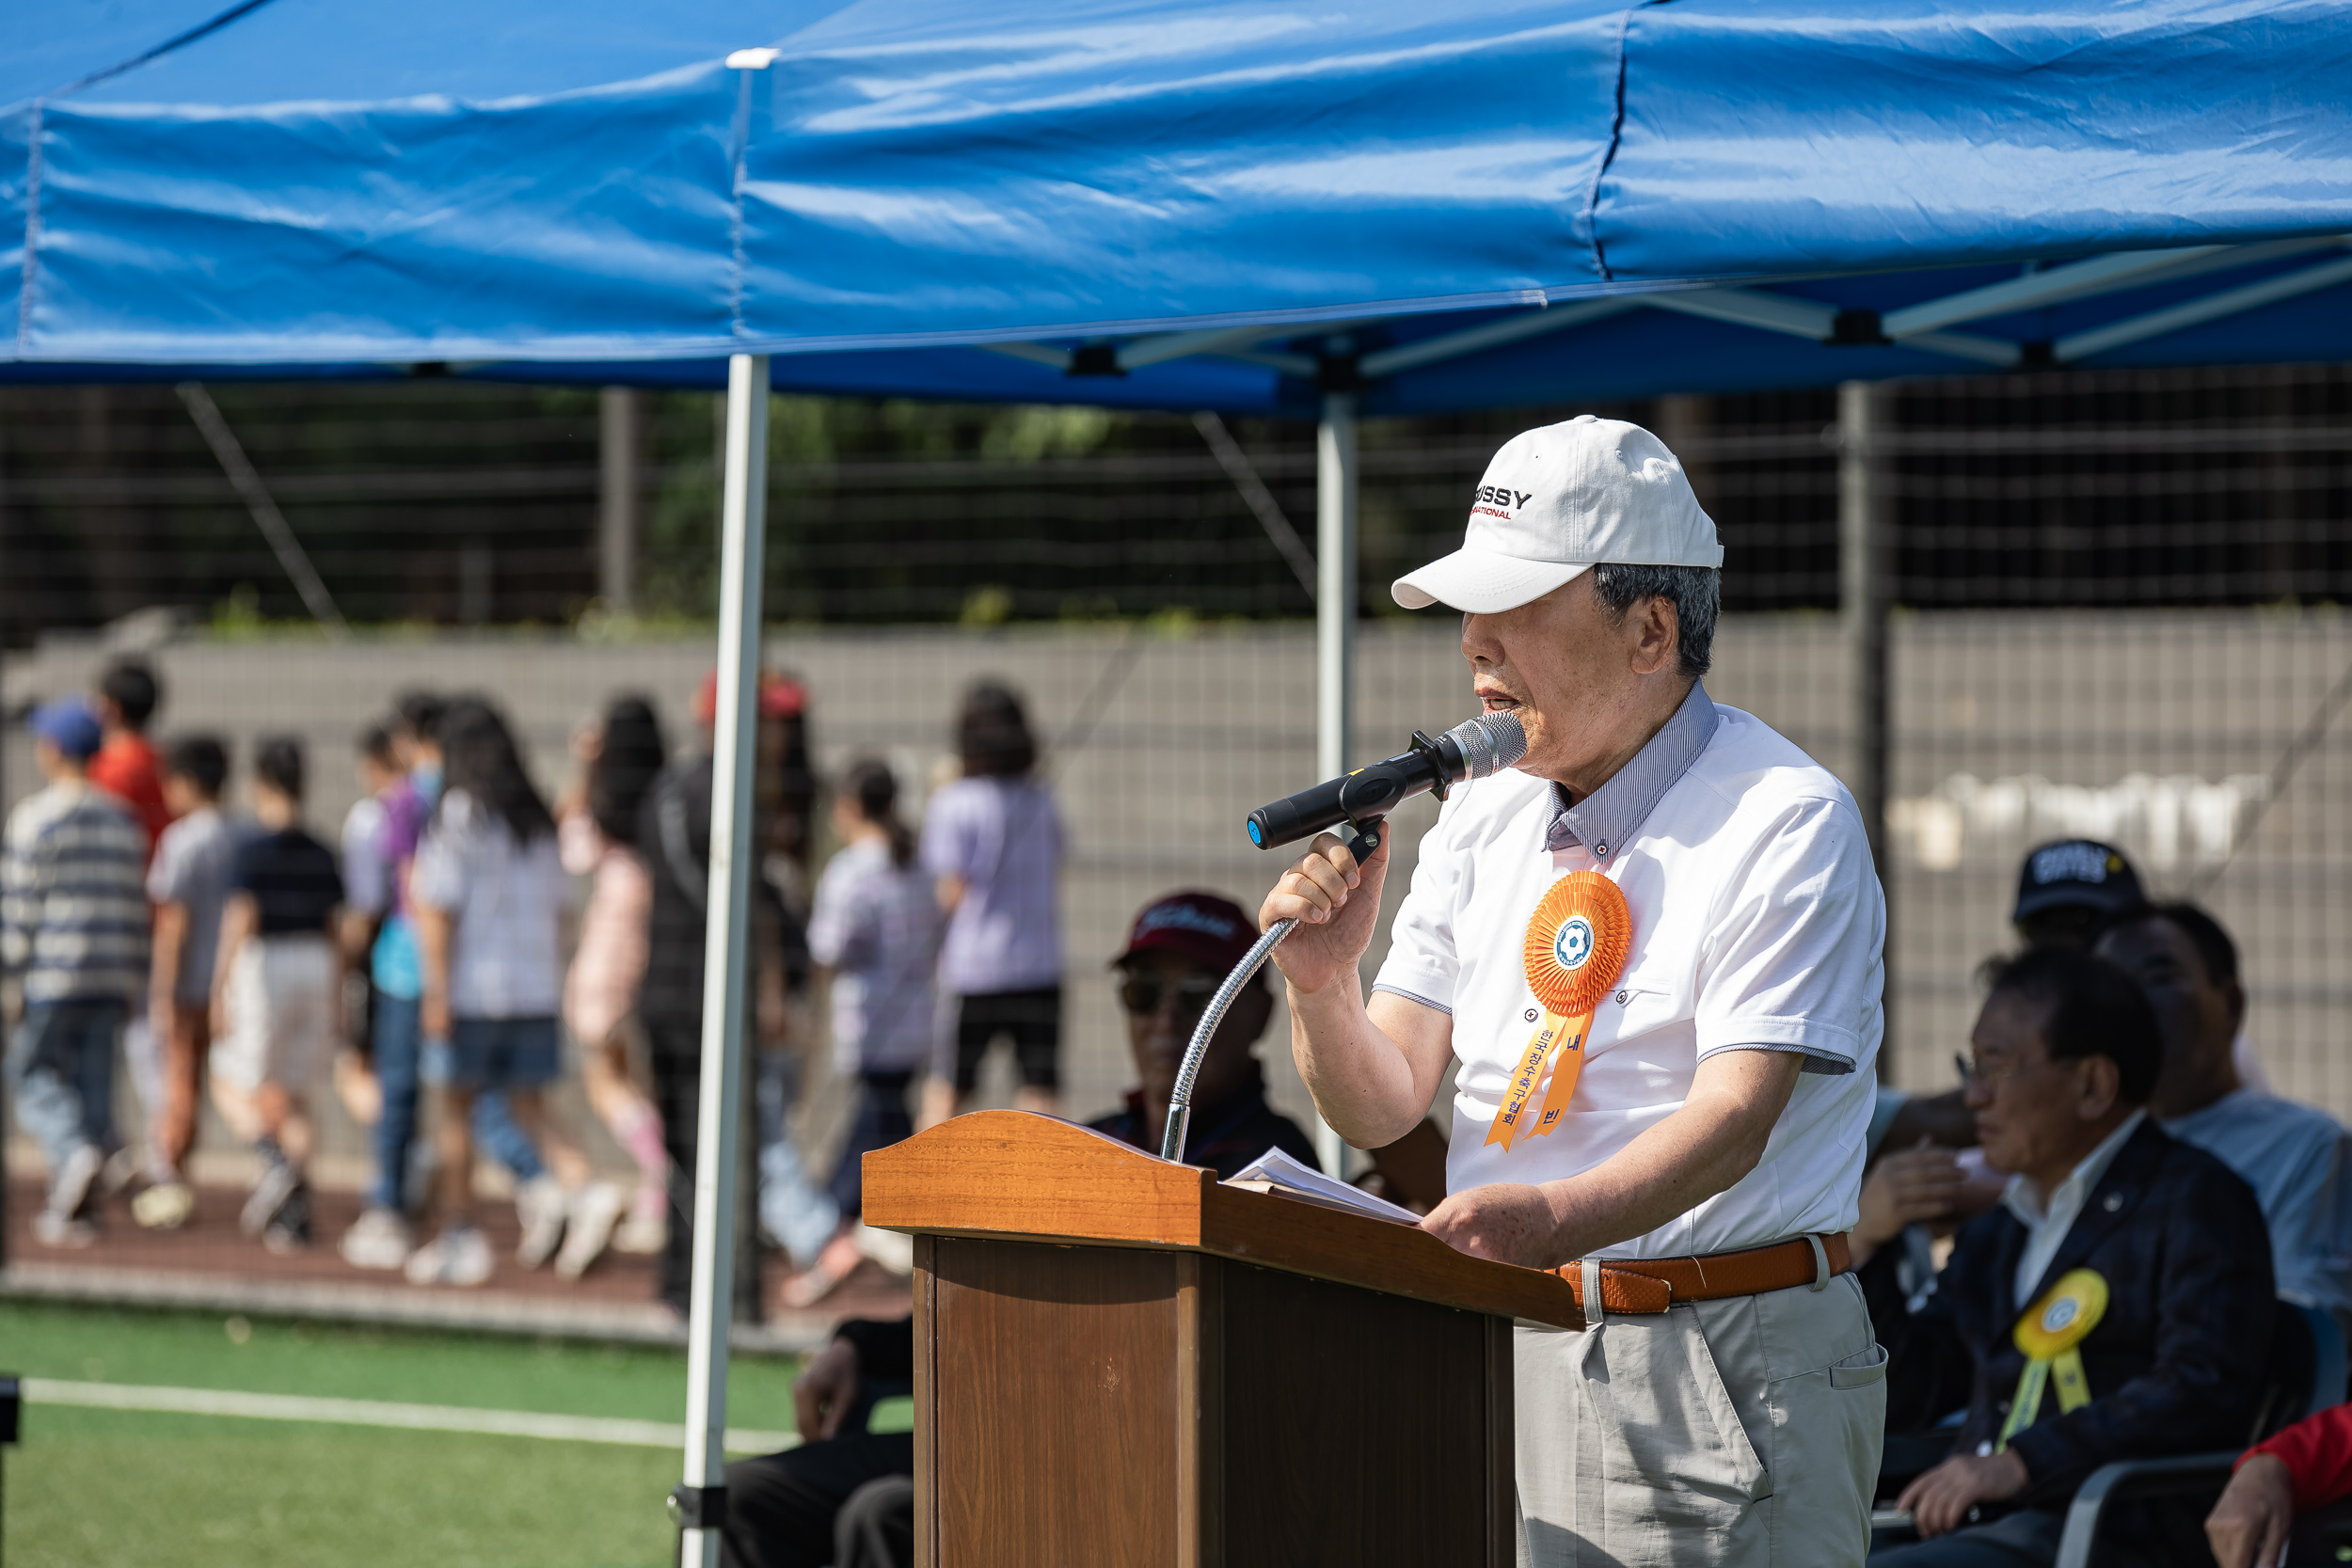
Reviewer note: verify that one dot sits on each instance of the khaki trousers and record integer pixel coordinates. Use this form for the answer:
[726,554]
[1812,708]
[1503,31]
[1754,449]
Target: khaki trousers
[1744,1430]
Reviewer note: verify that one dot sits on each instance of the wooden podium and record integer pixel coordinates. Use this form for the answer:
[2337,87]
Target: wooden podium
[1119,1361]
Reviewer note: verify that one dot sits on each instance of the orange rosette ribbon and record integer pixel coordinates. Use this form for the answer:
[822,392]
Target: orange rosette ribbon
[1577,944]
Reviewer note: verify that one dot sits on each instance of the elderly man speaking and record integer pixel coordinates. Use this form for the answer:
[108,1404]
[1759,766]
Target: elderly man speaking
[1655,952]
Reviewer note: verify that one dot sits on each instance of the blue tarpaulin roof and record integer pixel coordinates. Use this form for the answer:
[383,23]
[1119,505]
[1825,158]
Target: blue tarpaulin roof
[1487,202]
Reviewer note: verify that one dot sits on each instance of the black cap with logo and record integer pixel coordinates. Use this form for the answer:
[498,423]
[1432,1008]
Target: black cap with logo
[2076,873]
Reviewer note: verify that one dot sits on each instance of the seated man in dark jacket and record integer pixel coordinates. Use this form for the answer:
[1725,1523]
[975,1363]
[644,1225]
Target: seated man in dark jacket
[2107,1222]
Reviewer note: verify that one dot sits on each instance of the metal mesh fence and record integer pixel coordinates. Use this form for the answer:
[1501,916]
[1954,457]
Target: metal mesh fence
[2158,731]
[2115,621]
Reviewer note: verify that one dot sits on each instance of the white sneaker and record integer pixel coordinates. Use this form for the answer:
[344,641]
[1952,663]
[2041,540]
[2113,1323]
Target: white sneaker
[70,1185]
[377,1239]
[539,1203]
[642,1235]
[588,1228]
[459,1256]
[50,1228]
[165,1206]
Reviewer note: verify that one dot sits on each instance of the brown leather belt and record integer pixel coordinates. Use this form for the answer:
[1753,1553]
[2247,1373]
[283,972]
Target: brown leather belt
[1654,1284]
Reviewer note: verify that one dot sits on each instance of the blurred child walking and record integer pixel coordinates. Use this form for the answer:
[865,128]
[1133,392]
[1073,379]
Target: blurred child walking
[128,768]
[275,992]
[489,892]
[367,899]
[875,932]
[993,841]
[73,931]
[188,883]
[624,753]
[380,1239]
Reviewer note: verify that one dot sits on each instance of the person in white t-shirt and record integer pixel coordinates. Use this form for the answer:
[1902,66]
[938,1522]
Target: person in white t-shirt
[1726,1399]
[2297,1157]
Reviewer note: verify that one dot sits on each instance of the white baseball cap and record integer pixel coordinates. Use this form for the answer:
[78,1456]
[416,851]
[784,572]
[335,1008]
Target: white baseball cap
[1558,501]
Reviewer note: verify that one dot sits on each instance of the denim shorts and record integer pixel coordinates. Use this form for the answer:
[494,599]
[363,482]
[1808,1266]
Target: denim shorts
[495,1053]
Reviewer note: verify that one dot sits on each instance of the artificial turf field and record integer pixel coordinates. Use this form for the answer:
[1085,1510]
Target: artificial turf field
[91,1488]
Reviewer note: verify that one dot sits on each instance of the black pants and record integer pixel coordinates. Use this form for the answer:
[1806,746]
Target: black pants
[849,1502]
[881,1121]
[676,1059]
[1031,1018]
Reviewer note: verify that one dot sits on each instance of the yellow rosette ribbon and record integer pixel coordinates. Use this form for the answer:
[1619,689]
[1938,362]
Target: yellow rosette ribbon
[1577,942]
[2051,1334]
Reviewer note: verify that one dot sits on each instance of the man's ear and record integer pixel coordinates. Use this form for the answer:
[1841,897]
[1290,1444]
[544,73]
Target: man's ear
[2100,1082]
[1657,628]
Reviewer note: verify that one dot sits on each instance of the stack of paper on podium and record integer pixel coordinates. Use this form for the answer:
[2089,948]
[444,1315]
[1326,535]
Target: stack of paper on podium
[1277,1172]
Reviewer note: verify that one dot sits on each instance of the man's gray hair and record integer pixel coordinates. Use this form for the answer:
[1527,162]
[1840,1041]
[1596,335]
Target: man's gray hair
[1696,592]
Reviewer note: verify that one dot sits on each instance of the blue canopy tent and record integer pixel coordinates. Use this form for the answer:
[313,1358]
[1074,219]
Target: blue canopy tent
[1383,209]
[1728,196]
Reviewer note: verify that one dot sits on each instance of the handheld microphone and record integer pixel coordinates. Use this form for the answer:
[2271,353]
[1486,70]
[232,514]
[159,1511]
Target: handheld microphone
[1475,749]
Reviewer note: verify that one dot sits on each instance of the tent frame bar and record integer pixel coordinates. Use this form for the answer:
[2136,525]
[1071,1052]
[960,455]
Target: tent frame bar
[2195,312]
[1512,330]
[1919,326]
[2050,286]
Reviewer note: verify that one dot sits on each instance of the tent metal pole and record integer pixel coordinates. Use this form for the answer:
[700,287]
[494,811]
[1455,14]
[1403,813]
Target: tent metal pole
[617,497]
[725,961]
[1866,588]
[1335,630]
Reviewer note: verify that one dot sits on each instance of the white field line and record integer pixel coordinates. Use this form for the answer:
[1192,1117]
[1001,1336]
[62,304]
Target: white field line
[381,1412]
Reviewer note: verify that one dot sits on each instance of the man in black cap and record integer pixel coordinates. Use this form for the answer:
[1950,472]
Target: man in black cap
[1178,950]
[2067,890]
[2067,893]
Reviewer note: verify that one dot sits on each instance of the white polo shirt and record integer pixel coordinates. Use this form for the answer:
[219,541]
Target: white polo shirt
[1758,923]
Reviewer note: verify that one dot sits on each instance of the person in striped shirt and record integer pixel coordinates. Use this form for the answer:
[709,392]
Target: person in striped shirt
[73,932]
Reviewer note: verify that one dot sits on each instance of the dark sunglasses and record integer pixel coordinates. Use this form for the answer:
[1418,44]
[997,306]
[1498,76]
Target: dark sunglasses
[1142,995]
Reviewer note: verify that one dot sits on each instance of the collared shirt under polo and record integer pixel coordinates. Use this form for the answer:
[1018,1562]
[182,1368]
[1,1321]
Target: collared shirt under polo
[1757,922]
[2047,1222]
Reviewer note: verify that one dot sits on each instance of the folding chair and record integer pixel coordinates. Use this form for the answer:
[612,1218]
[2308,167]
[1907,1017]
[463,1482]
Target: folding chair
[2308,1372]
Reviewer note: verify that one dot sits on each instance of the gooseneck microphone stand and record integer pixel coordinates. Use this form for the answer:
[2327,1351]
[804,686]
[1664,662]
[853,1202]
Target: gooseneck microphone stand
[1362,840]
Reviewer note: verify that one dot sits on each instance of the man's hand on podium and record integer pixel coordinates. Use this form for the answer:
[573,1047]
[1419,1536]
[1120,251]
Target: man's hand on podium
[1336,903]
[825,1390]
[1509,1222]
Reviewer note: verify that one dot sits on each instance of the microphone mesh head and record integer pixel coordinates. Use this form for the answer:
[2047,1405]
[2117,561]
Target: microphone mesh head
[1489,743]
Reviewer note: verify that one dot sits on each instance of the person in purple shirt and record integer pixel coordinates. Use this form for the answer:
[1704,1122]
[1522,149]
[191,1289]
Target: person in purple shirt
[992,842]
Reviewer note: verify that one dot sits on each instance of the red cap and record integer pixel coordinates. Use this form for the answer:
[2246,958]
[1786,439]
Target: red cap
[1200,926]
[780,697]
